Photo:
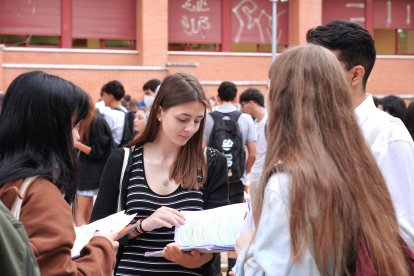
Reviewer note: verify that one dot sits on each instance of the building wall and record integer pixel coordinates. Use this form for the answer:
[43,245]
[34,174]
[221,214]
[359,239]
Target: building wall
[90,69]
[391,74]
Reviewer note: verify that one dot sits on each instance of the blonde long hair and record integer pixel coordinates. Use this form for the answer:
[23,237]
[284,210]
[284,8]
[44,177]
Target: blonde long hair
[337,192]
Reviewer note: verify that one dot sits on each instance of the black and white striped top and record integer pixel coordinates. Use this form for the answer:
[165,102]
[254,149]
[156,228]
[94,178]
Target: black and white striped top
[142,200]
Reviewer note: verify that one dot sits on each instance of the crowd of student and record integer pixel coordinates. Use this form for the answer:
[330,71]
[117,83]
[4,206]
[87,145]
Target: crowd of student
[331,182]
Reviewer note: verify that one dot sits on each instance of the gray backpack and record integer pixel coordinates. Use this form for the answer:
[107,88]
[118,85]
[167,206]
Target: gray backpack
[16,255]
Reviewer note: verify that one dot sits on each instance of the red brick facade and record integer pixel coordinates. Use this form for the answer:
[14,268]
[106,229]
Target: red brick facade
[90,69]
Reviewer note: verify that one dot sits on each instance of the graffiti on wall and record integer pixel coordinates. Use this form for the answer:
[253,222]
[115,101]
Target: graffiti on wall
[195,24]
[252,18]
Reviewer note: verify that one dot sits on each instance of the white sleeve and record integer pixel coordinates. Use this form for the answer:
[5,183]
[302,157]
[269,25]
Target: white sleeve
[208,126]
[271,248]
[396,161]
[270,253]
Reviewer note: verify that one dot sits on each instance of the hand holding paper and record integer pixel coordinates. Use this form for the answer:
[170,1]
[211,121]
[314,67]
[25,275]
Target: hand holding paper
[209,231]
[84,233]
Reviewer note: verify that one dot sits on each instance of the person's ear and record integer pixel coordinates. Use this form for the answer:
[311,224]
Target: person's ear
[159,114]
[357,75]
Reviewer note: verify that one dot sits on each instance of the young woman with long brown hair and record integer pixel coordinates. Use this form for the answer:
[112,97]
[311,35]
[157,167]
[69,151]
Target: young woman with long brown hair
[94,145]
[169,172]
[321,189]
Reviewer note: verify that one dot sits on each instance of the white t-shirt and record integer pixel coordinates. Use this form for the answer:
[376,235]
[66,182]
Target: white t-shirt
[261,148]
[116,121]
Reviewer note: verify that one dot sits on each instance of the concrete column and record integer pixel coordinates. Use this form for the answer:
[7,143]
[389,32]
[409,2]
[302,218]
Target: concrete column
[152,32]
[303,15]
[66,24]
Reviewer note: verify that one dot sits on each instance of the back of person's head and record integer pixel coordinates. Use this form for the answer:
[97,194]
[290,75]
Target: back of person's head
[252,94]
[127,98]
[132,104]
[87,123]
[377,101]
[354,43]
[409,118]
[36,124]
[151,85]
[177,89]
[394,106]
[115,88]
[313,131]
[227,91]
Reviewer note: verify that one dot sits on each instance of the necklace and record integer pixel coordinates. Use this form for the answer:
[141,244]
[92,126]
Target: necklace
[166,183]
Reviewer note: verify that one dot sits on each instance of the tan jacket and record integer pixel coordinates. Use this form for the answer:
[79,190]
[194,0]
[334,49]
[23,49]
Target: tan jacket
[49,224]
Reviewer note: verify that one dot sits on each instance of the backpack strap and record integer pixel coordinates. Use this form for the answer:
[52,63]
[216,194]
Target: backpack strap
[234,115]
[216,115]
[17,205]
[127,152]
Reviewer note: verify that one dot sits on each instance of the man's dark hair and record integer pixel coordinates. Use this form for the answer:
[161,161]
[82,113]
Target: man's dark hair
[151,85]
[115,88]
[227,91]
[252,94]
[354,43]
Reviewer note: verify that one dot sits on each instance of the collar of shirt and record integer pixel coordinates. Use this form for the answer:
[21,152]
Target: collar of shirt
[226,107]
[364,109]
[264,119]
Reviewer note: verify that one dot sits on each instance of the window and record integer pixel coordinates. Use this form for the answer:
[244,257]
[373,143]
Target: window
[393,42]
[405,42]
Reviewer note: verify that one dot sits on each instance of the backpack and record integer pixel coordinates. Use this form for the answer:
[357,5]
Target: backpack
[226,138]
[16,255]
[128,132]
[364,265]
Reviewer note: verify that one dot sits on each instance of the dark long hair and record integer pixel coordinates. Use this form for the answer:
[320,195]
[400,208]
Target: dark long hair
[36,122]
[177,89]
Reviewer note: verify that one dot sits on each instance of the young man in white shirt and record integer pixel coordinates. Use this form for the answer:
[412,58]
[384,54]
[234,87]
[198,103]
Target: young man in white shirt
[227,93]
[111,94]
[389,140]
[252,102]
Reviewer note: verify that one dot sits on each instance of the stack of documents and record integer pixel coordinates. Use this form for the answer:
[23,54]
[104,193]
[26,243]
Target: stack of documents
[209,231]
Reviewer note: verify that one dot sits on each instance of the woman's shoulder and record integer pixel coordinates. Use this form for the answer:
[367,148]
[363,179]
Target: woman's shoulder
[279,182]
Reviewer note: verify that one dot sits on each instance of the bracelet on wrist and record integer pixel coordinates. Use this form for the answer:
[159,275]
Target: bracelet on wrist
[139,227]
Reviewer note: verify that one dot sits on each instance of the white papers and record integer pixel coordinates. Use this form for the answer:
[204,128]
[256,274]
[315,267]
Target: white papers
[209,231]
[84,233]
[201,249]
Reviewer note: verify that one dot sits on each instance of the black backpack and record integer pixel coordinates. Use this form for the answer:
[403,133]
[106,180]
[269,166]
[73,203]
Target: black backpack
[226,138]
[128,132]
